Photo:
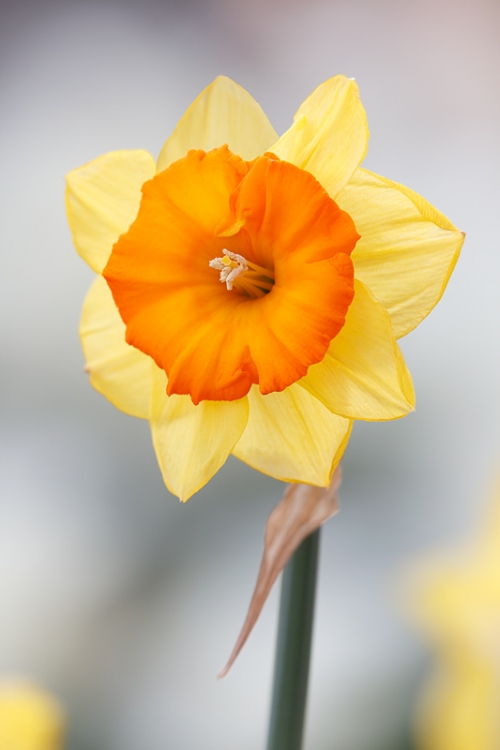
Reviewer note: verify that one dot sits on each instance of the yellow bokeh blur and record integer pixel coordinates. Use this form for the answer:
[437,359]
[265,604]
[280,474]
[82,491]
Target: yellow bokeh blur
[457,604]
[30,718]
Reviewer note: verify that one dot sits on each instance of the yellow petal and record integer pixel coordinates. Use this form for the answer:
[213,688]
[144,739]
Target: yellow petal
[363,375]
[329,136]
[117,370]
[291,436]
[192,442]
[102,200]
[224,113]
[407,249]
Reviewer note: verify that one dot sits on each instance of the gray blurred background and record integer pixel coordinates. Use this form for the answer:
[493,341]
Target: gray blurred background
[122,601]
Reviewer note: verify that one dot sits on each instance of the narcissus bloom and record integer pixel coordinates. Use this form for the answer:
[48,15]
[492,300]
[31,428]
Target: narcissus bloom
[251,288]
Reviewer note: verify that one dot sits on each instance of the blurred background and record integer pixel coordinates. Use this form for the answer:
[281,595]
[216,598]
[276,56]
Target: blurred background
[122,601]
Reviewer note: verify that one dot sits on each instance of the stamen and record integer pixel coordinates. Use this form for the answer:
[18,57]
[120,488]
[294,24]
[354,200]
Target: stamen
[230,267]
[257,280]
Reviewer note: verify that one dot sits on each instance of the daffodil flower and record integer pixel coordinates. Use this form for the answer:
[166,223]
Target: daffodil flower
[251,288]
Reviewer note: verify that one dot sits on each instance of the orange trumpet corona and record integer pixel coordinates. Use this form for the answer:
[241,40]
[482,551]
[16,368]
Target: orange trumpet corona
[278,243]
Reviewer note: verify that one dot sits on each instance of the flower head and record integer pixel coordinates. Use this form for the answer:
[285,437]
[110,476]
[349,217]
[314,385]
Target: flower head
[251,288]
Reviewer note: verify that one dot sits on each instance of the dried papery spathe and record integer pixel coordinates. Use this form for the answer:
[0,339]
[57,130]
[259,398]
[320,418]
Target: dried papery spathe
[301,511]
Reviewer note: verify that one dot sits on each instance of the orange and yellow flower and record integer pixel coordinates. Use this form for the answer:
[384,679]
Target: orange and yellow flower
[251,288]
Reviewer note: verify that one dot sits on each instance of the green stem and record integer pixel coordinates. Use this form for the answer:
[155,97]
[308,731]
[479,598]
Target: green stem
[293,649]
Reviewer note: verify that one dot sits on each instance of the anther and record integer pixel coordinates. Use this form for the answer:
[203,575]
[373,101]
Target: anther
[251,279]
[231,265]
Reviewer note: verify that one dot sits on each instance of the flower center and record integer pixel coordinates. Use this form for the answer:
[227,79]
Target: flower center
[249,278]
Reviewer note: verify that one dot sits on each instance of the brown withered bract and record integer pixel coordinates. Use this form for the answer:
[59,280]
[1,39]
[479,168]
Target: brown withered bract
[301,511]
